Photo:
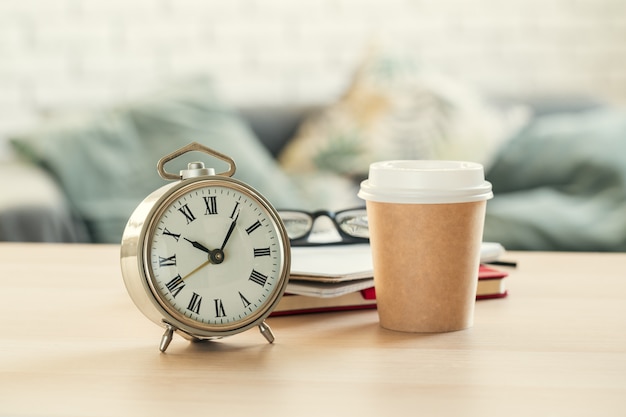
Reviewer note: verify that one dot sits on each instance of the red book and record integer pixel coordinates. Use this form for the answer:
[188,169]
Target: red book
[491,284]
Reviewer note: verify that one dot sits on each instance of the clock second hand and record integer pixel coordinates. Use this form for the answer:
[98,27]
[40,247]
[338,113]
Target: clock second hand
[208,261]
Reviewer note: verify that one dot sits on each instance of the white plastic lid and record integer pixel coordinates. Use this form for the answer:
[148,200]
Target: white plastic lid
[425,182]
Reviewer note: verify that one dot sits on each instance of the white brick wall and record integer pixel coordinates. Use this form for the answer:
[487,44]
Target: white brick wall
[66,54]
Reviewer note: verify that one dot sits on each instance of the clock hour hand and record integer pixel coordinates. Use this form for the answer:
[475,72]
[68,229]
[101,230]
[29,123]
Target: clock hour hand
[215,256]
[198,245]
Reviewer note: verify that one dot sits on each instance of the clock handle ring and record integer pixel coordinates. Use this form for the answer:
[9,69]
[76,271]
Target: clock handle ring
[194,146]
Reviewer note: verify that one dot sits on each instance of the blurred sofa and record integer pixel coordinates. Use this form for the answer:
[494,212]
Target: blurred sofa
[560,182]
[35,208]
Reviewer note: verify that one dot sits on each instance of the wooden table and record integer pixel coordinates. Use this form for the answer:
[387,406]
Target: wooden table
[73,344]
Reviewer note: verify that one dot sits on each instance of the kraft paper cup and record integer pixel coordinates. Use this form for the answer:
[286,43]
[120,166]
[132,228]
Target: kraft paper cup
[426,223]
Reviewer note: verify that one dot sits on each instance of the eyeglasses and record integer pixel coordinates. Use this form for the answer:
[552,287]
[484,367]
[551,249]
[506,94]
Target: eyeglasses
[351,225]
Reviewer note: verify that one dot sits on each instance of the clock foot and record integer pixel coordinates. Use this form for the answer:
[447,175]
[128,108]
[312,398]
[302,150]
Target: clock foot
[167,337]
[266,332]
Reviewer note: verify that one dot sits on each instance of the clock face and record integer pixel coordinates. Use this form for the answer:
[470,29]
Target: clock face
[215,256]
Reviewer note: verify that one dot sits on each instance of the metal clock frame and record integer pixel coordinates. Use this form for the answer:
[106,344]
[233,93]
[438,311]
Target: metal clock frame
[136,267]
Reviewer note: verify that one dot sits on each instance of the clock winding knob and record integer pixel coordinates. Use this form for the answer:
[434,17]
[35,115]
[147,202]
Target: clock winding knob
[196,169]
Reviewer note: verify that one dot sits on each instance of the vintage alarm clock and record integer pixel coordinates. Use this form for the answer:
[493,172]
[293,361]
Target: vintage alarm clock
[206,256]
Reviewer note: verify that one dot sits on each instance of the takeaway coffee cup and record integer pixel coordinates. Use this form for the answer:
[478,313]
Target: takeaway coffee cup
[426,223]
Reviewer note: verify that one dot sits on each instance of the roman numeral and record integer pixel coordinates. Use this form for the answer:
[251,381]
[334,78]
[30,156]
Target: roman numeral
[262,252]
[245,302]
[188,214]
[232,215]
[258,278]
[174,235]
[194,303]
[219,308]
[254,226]
[211,205]
[175,286]
[171,261]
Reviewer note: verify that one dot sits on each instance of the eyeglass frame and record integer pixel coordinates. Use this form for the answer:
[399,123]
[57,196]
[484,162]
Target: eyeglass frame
[346,238]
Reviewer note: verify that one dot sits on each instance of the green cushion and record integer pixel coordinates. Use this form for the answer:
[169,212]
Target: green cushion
[560,184]
[106,162]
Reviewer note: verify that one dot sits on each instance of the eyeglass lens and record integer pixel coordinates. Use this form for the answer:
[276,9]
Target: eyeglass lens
[296,223]
[352,222]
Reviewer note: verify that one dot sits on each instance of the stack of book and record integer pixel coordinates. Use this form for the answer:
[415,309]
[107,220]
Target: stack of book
[340,277]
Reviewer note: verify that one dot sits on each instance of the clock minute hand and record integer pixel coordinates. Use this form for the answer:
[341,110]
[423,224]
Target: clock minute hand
[230,231]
